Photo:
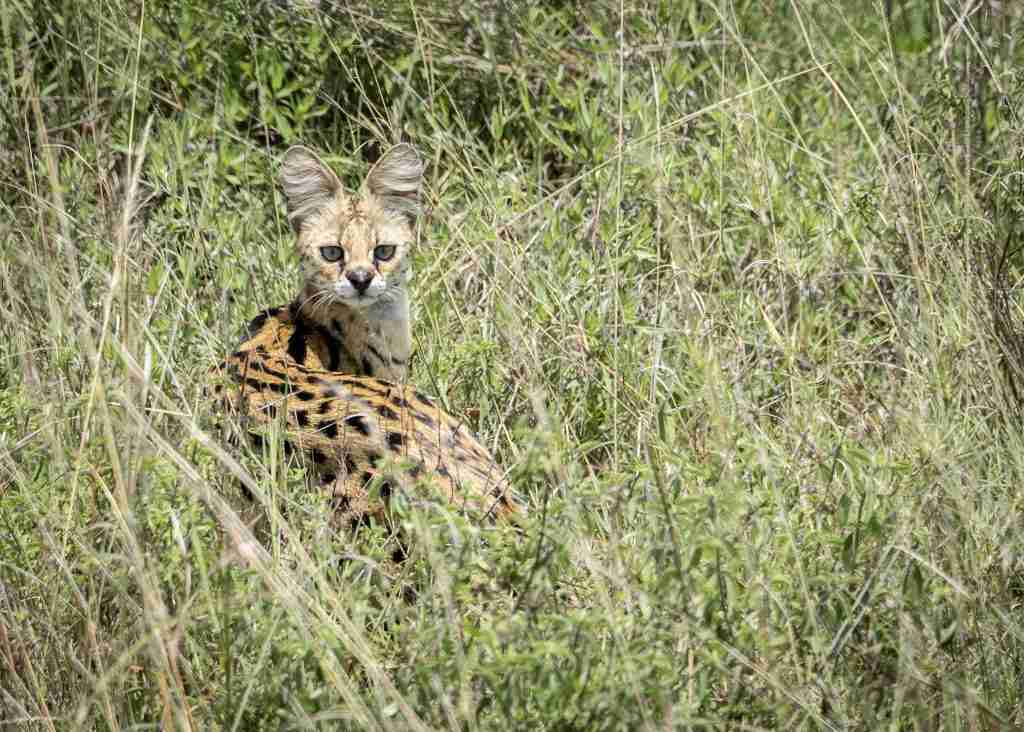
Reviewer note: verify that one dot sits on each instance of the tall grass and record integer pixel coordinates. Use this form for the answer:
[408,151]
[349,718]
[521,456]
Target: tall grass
[733,294]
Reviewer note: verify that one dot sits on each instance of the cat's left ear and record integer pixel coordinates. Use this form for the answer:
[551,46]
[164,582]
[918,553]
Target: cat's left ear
[396,178]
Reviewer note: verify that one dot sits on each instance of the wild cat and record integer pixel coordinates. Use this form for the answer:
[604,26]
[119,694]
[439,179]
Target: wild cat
[329,367]
[352,312]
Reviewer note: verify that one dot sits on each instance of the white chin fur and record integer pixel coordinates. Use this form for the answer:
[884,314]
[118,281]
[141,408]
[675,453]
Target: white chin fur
[350,296]
[359,302]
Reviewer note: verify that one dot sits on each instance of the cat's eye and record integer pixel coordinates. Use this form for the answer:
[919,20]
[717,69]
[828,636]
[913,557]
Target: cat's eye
[384,252]
[332,254]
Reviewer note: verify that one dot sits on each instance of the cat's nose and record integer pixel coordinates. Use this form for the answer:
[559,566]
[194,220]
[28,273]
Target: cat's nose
[360,279]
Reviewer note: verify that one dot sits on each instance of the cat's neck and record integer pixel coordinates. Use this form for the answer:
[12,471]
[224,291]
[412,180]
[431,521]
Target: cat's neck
[378,337]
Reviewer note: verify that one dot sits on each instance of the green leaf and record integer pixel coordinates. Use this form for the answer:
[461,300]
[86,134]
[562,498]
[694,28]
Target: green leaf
[154,279]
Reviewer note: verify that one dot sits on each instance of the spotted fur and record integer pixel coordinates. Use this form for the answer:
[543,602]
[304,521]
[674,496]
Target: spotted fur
[366,438]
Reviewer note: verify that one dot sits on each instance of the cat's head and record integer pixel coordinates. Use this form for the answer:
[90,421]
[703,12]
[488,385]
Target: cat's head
[354,247]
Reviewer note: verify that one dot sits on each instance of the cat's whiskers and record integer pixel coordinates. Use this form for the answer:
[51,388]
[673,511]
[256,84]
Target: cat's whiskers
[313,302]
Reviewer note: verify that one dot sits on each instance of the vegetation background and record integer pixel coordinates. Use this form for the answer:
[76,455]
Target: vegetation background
[731,287]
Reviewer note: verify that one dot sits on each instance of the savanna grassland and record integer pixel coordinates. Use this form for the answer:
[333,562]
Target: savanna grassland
[731,288]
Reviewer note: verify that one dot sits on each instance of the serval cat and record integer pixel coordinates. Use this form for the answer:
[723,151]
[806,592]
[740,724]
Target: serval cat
[329,368]
[352,314]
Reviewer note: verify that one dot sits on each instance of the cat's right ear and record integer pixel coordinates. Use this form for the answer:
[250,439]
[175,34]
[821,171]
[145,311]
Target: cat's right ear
[309,185]
[395,180]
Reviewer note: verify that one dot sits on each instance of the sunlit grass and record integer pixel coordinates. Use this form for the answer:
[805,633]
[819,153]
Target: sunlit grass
[732,295]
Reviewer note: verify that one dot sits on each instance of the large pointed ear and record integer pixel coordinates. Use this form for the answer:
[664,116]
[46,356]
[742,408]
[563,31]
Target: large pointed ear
[395,180]
[308,184]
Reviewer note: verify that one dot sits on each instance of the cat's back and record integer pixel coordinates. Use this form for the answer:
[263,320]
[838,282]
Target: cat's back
[364,435]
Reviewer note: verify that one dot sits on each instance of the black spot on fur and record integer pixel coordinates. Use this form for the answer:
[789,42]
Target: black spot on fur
[270,409]
[386,412]
[358,423]
[258,365]
[396,440]
[301,417]
[329,428]
[424,419]
[274,386]
[324,407]
[377,388]
[333,348]
[328,478]
[423,397]
[259,321]
[306,396]
[297,343]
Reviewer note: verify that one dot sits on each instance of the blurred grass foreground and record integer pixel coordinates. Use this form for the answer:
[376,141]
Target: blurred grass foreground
[732,289]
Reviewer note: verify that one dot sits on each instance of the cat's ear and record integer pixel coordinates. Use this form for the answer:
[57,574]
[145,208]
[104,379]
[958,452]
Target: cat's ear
[395,180]
[309,185]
